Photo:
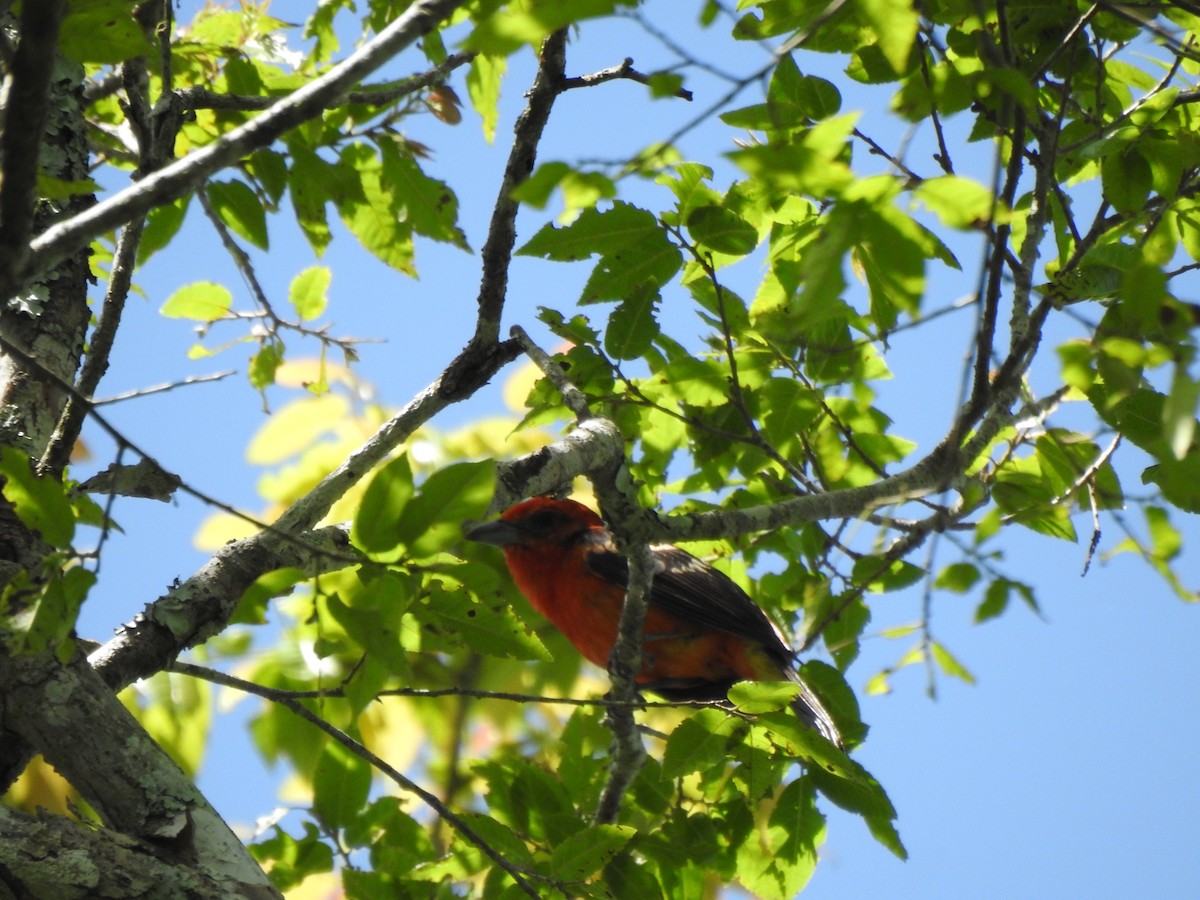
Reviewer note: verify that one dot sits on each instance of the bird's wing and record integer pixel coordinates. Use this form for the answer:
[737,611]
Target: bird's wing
[693,591]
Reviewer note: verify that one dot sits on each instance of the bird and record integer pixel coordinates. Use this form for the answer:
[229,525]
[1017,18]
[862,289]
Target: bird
[702,633]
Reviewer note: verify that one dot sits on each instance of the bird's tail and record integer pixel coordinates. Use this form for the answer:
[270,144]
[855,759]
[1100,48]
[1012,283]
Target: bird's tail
[811,712]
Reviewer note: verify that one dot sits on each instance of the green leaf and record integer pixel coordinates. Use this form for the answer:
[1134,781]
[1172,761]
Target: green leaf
[1179,481]
[632,270]
[635,251]
[842,636]
[813,164]
[881,576]
[629,875]
[699,743]
[664,84]
[959,202]
[483,90]
[722,230]
[294,859]
[200,301]
[309,180]
[995,599]
[269,169]
[1179,412]
[264,364]
[632,327]
[837,776]
[240,209]
[1187,220]
[252,607]
[1126,180]
[162,224]
[949,664]
[57,610]
[763,696]
[606,232]
[374,615]
[891,249]
[430,207]
[374,214]
[586,852]
[39,500]
[794,99]
[1165,540]
[387,494]
[636,271]
[778,858]
[895,25]
[340,785]
[492,629]
[309,292]
[504,31]
[103,32]
[432,520]
[957,577]
[537,188]
[838,697]
[497,835]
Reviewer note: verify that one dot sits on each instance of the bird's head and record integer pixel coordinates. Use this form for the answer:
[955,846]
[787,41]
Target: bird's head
[540,520]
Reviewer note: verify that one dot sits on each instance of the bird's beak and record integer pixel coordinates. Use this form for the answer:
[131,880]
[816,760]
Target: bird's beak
[498,533]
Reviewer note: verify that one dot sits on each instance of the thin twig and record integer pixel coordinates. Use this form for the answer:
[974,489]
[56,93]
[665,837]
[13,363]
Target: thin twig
[574,398]
[99,349]
[124,443]
[624,70]
[162,388]
[369,95]
[407,784]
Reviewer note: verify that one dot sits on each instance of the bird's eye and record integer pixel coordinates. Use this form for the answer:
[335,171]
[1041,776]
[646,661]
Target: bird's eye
[544,520]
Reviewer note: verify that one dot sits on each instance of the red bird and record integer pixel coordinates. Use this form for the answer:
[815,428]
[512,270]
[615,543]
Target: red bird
[702,633]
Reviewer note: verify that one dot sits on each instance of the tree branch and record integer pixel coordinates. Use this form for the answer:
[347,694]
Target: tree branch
[369,95]
[624,71]
[193,611]
[177,179]
[407,784]
[631,528]
[502,233]
[95,362]
[25,123]
[69,714]
[51,857]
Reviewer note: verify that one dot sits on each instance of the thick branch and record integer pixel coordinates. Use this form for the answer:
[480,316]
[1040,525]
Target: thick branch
[200,607]
[182,176]
[25,122]
[191,612]
[51,857]
[84,731]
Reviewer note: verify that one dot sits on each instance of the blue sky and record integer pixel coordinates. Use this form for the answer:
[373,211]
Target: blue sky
[1066,771]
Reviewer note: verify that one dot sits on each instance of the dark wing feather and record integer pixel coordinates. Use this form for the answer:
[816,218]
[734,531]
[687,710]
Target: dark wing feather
[686,587]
